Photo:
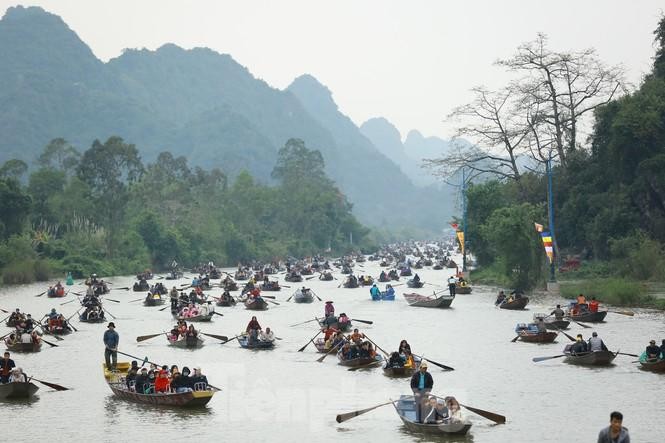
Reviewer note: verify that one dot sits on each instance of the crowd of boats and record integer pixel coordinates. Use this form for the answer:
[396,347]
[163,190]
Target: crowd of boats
[336,334]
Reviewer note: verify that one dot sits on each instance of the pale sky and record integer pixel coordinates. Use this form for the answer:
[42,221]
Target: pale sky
[409,61]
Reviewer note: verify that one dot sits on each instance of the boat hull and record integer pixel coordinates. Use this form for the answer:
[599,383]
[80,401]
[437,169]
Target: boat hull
[590,317]
[17,390]
[24,347]
[422,301]
[406,409]
[517,304]
[557,324]
[244,343]
[541,337]
[596,358]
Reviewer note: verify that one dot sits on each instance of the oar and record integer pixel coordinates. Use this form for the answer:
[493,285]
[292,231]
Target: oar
[377,346]
[570,337]
[629,355]
[4,319]
[441,365]
[320,359]
[39,295]
[62,304]
[369,322]
[46,331]
[141,338]
[319,298]
[297,324]
[290,297]
[630,313]
[5,311]
[310,341]
[53,345]
[581,324]
[231,339]
[112,316]
[273,302]
[515,339]
[355,368]
[167,306]
[309,278]
[50,385]
[223,338]
[69,318]
[110,299]
[537,359]
[268,296]
[349,415]
[285,286]
[72,326]
[125,288]
[496,418]
[138,299]
[217,313]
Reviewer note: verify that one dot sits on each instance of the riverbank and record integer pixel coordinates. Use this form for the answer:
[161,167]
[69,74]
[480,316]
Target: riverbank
[617,291]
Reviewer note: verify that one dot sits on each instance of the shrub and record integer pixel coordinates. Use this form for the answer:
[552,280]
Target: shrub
[19,273]
[42,270]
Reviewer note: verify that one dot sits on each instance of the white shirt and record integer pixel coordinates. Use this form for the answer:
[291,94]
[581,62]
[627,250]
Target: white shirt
[270,336]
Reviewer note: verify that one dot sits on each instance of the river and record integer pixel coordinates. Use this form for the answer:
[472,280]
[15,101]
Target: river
[284,395]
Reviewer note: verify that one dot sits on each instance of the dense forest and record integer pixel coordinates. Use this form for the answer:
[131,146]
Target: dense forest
[105,211]
[609,195]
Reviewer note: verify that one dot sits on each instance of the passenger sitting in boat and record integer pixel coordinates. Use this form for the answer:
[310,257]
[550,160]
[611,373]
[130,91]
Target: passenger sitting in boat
[395,361]
[438,412]
[356,336]
[540,324]
[335,341]
[162,382]
[131,377]
[16,316]
[596,344]
[329,332]
[558,313]
[193,311]
[267,335]
[500,298]
[579,347]
[364,351]
[198,380]
[454,410]
[404,346]
[581,299]
[191,332]
[662,349]
[593,305]
[18,376]
[28,324]
[35,338]
[11,339]
[653,351]
[416,278]
[343,320]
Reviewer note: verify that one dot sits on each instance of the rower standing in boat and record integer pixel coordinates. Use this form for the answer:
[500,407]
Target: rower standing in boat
[375,292]
[500,298]
[596,343]
[6,367]
[173,295]
[653,351]
[558,313]
[615,432]
[452,285]
[111,340]
[421,385]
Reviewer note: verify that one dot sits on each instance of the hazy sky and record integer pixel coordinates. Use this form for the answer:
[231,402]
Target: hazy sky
[409,61]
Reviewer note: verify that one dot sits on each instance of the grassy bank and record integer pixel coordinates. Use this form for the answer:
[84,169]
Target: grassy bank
[615,291]
[489,275]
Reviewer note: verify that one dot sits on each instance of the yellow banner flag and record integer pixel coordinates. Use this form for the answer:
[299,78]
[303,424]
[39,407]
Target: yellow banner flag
[460,237]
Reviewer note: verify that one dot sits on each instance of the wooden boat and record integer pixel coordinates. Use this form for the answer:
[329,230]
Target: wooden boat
[422,301]
[293,277]
[589,317]
[406,409]
[401,371]
[260,344]
[58,328]
[12,322]
[92,316]
[537,337]
[241,275]
[303,297]
[226,301]
[272,286]
[24,347]
[139,287]
[326,276]
[405,272]
[360,361]
[465,289]
[17,390]
[154,300]
[256,304]
[595,358]
[557,324]
[56,293]
[117,383]
[186,342]
[414,284]
[198,318]
[174,275]
[651,365]
[516,304]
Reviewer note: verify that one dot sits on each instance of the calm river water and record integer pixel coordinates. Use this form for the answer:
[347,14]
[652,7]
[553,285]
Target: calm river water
[284,395]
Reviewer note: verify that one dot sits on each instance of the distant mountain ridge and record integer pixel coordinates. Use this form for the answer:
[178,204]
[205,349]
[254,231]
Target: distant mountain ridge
[196,103]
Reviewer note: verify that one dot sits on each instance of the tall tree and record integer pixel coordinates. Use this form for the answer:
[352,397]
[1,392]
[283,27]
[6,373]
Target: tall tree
[109,169]
[59,154]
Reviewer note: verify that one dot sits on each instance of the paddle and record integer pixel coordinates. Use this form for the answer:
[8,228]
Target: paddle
[223,338]
[496,418]
[231,339]
[167,306]
[69,318]
[441,365]
[630,313]
[138,299]
[141,338]
[110,299]
[290,297]
[368,322]
[310,341]
[629,355]
[537,359]
[125,288]
[112,316]
[5,311]
[377,346]
[581,324]
[273,302]
[72,326]
[297,324]
[373,363]
[349,415]
[284,286]
[46,331]
[62,304]
[319,298]
[515,339]
[50,385]
[320,359]
[570,337]
[39,295]
[268,296]
[217,313]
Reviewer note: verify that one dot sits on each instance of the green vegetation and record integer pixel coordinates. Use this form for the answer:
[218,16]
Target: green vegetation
[105,211]
[609,202]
